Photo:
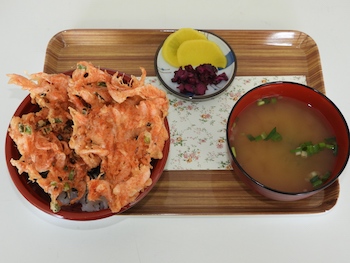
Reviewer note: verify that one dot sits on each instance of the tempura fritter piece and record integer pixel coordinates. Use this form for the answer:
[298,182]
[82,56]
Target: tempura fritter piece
[87,121]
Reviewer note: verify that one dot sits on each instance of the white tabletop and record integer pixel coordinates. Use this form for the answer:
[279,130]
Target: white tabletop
[28,236]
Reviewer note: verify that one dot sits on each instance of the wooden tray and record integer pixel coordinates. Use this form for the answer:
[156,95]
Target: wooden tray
[200,192]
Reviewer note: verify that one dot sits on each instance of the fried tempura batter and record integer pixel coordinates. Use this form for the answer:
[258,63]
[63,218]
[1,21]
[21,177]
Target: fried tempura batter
[89,120]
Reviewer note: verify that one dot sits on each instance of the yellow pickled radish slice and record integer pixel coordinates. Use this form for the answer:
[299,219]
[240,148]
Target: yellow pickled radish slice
[173,42]
[196,52]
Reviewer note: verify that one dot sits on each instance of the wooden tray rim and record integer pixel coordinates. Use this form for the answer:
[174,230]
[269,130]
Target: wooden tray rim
[320,87]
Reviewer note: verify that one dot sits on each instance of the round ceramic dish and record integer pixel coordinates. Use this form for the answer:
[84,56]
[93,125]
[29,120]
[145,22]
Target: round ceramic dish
[165,72]
[41,200]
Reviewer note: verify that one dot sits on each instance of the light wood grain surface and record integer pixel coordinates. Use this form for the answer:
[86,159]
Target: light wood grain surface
[259,53]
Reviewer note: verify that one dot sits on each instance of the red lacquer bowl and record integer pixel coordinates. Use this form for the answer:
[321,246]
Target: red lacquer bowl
[304,94]
[38,198]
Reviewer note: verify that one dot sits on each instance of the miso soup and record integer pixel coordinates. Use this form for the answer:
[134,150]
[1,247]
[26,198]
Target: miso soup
[284,144]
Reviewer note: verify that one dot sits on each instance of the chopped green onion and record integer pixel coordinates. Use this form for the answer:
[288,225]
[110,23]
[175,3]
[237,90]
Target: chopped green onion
[71,175]
[276,137]
[260,137]
[233,151]
[317,183]
[54,206]
[20,127]
[250,137]
[273,136]
[304,154]
[24,129]
[296,151]
[330,140]
[102,84]
[46,130]
[264,101]
[79,66]
[66,187]
[326,176]
[316,180]
[308,148]
[147,139]
[331,143]
[28,130]
[260,102]
[99,96]
[57,120]
[322,145]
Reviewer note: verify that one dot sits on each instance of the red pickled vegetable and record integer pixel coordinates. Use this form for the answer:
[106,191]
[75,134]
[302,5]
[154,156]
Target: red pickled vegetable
[195,80]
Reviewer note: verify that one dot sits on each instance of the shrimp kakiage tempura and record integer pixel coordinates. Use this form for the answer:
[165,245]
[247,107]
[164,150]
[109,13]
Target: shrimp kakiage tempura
[87,121]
